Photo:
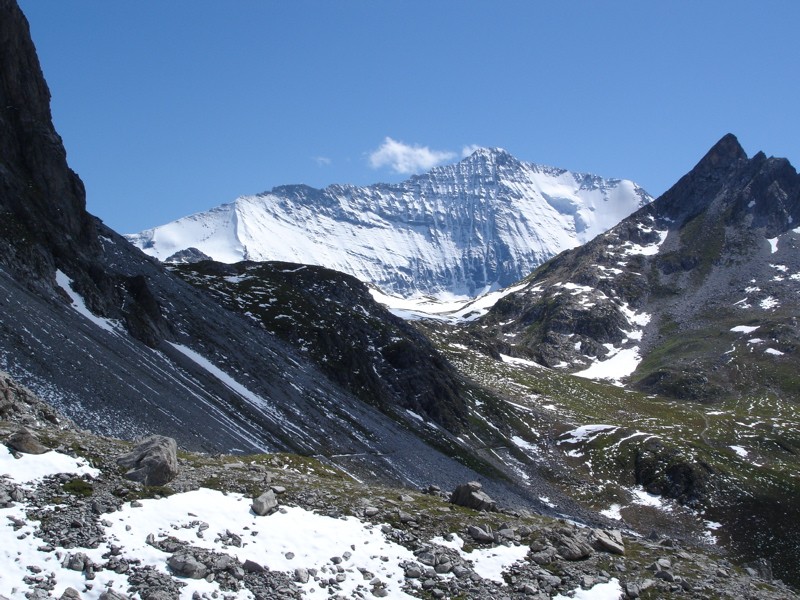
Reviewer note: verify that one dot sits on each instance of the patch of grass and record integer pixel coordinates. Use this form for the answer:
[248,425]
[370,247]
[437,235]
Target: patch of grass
[78,487]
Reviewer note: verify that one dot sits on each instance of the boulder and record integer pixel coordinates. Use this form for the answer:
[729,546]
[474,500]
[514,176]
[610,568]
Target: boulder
[153,462]
[112,595]
[186,565]
[25,442]
[470,495]
[265,504]
[607,540]
[479,534]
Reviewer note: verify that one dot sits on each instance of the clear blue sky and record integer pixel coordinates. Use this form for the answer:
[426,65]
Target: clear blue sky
[171,107]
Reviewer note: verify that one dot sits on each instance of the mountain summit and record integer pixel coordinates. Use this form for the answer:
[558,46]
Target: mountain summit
[482,223]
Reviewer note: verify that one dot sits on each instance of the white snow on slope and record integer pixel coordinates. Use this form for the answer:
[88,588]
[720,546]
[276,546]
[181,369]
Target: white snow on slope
[65,283]
[452,309]
[284,541]
[487,220]
[33,467]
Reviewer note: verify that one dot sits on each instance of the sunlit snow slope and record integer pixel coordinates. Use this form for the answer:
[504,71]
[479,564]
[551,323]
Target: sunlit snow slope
[459,229]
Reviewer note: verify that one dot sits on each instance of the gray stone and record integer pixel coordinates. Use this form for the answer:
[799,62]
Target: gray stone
[112,595]
[252,567]
[77,561]
[265,504]
[70,594]
[607,540]
[186,565]
[301,575]
[470,495]
[479,535]
[25,442]
[153,462]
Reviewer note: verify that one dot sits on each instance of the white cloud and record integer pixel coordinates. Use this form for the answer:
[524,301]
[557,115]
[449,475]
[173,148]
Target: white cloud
[322,161]
[468,150]
[407,159]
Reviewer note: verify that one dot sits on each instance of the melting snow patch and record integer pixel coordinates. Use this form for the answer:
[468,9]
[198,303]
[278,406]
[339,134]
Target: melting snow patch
[773,352]
[768,303]
[32,467]
[740,451]
[585,432]
[773,243]
[65,283]
[612,512]
[630,248]
[524,445]
[644,498]
[547,501]
[489,563]
[602,591]
[513,360]
[621,364]
[744,328]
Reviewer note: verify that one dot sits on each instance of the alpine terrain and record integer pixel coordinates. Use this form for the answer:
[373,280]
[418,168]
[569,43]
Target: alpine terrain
[458,230]
[621,424]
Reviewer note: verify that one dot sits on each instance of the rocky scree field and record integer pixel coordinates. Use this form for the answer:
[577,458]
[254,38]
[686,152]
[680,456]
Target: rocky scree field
[76,524]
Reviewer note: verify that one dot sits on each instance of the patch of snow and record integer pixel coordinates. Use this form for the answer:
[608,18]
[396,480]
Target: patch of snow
[773,351]
[585,432]
[739,451]
[773,243]
[30,468]
[644,498]
[489,563]
[602,591]
[744,328]
[513,360]
[612,512]
[65,283]
[548,502]
[524,445]
[768,303]
[621,364]
[445,308]
[629,248]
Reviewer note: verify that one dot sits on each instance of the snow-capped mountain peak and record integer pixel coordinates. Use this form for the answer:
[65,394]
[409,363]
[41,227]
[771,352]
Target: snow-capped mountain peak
[459,229]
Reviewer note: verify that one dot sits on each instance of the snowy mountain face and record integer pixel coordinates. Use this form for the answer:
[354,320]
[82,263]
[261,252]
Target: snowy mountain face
[459,229]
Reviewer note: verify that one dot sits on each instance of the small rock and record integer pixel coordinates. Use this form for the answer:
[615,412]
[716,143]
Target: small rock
[250,566]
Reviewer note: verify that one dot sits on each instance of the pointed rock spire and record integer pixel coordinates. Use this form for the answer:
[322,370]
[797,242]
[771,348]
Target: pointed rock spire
[724,153]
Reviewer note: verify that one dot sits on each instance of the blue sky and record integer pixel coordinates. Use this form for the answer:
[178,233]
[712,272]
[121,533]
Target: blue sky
[170,108]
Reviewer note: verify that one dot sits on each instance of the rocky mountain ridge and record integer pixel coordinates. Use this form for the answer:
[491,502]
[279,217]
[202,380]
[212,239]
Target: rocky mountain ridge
[460,229]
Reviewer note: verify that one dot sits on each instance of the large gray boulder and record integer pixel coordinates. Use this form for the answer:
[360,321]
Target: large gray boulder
[265,504]
[153,462]
[471,495]
[185,565]
[25,442]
